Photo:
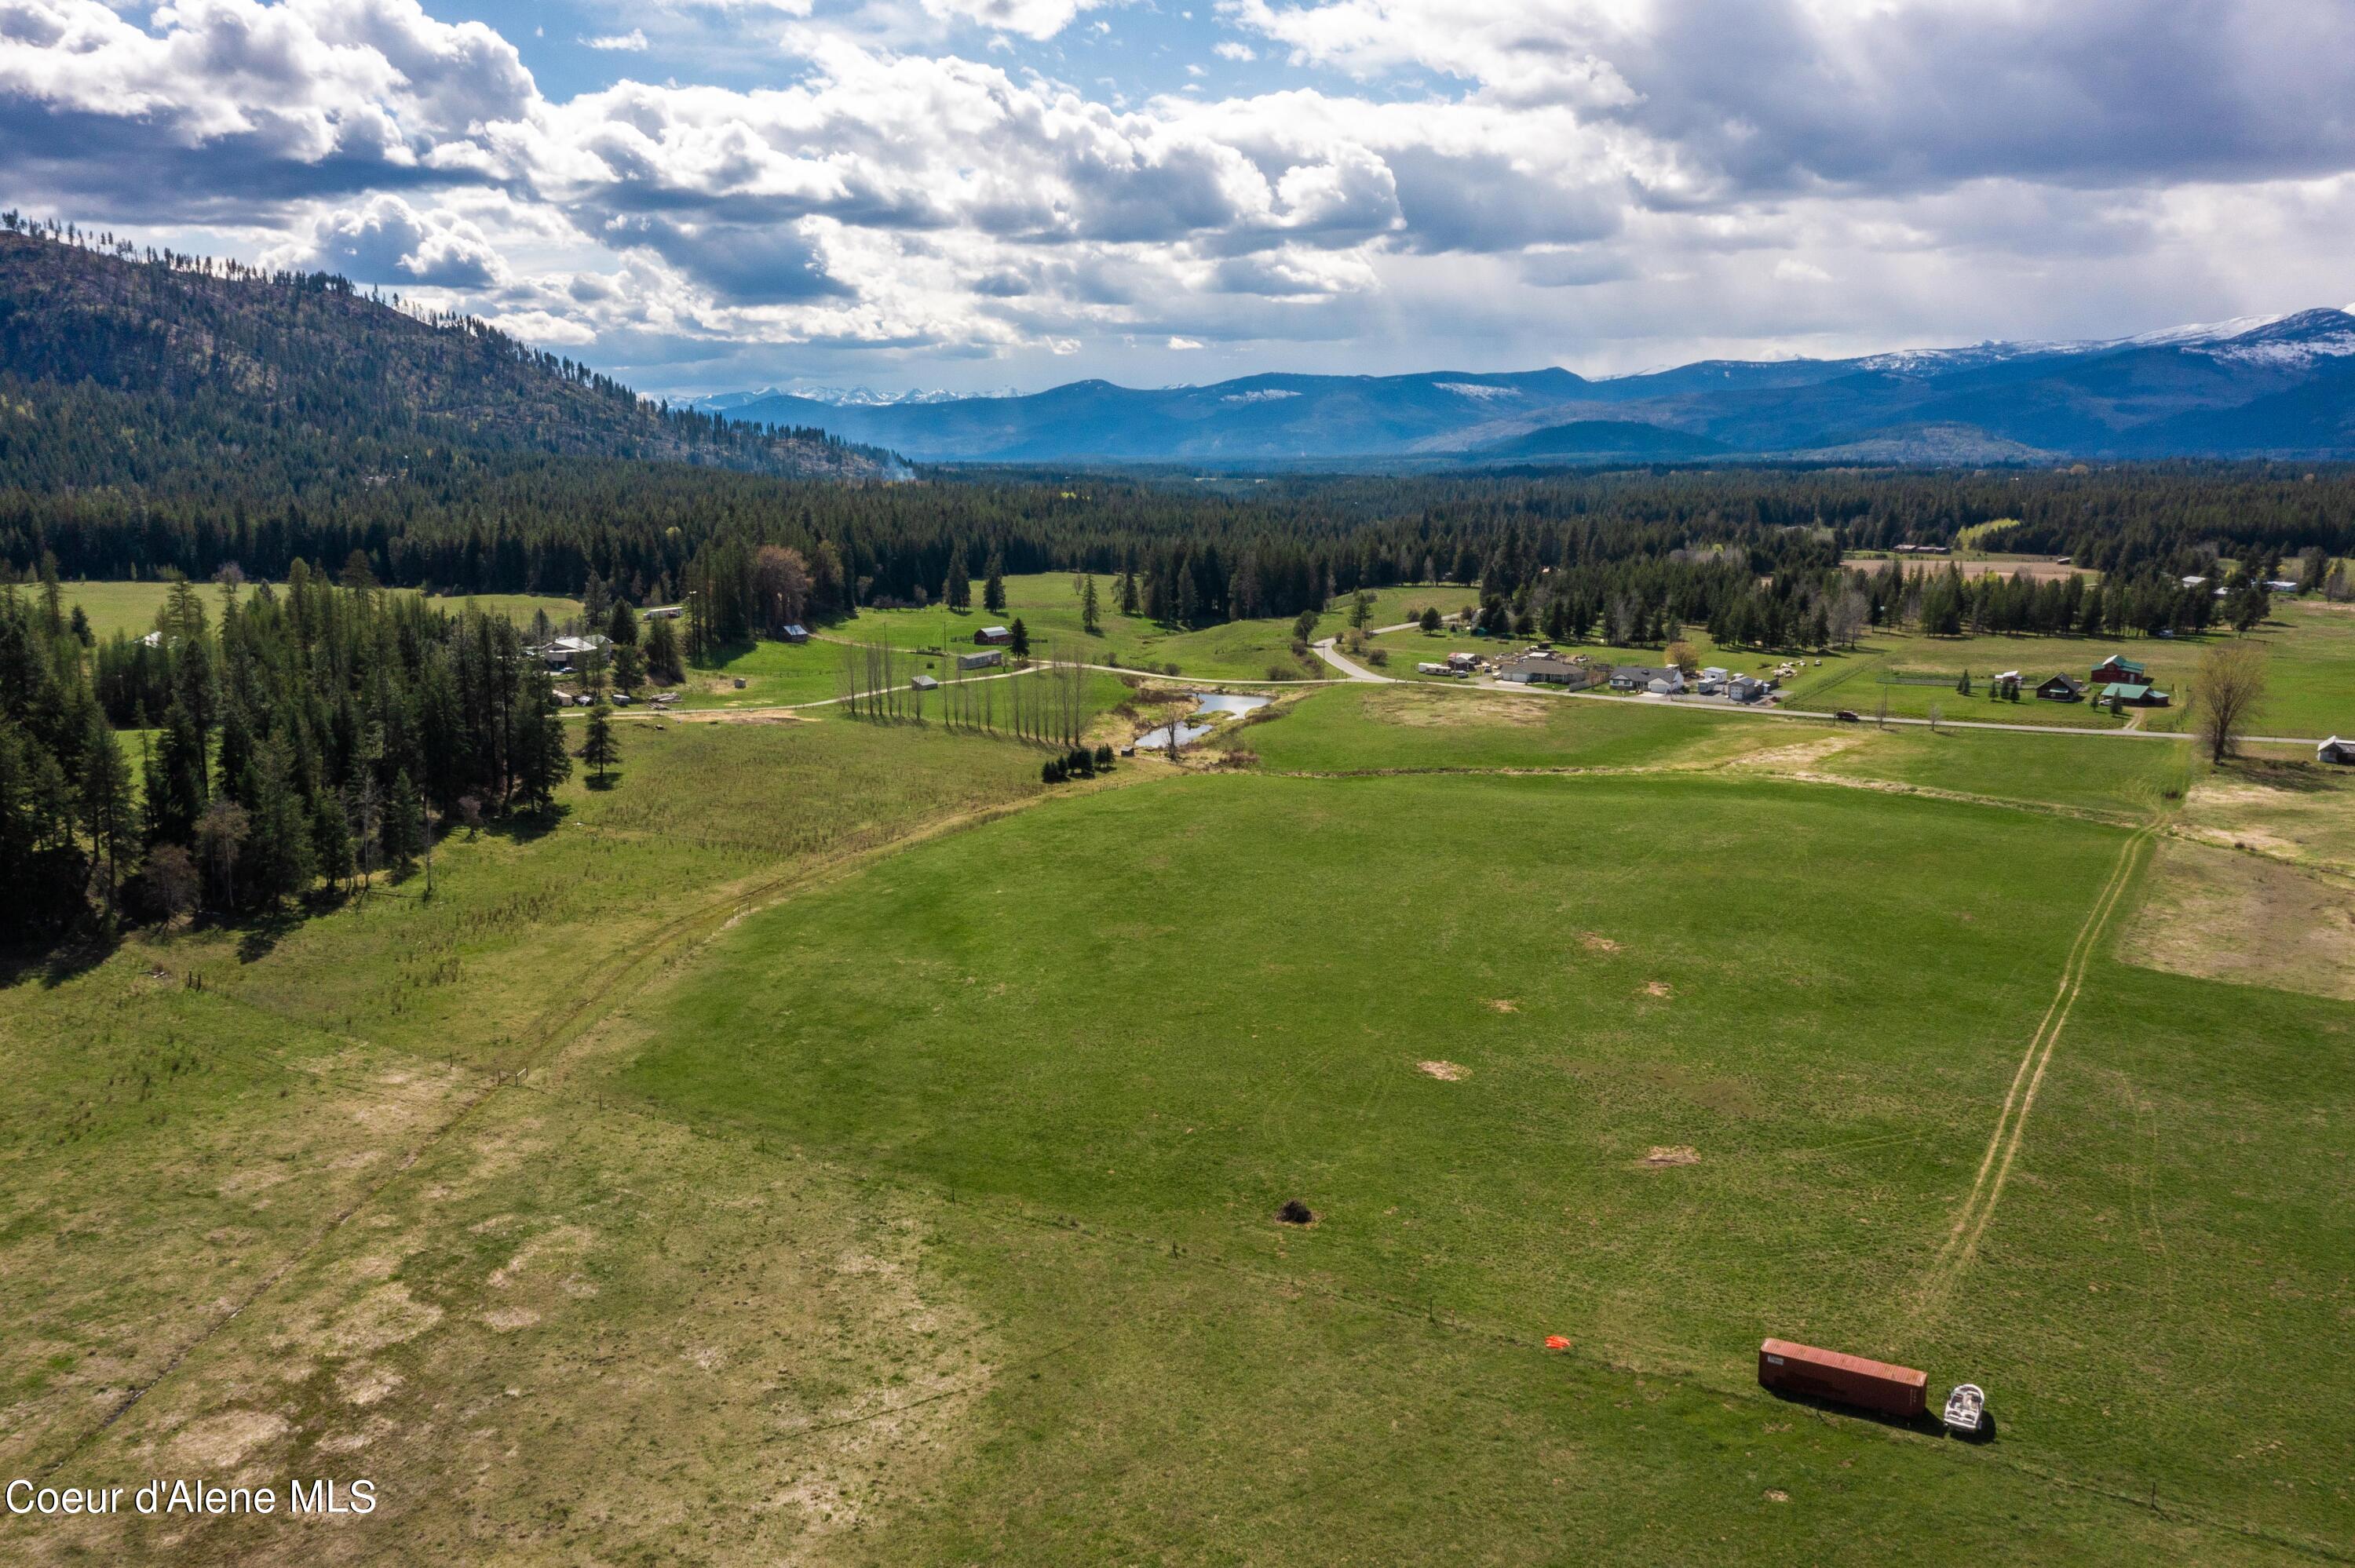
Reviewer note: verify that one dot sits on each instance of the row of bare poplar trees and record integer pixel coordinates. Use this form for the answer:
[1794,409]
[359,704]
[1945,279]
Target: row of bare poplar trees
[1045,701]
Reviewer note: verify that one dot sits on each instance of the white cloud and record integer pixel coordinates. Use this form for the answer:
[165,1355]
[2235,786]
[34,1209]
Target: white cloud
[1184,343]
[632,42]
[1609,181]
[386,240]
[1030,18]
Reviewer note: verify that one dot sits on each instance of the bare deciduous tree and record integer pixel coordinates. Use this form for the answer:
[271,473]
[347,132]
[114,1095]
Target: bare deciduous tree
[780,583]
[2226,691]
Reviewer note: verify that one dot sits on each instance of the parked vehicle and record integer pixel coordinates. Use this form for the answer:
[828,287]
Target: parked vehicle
[1848,715]
[1966,1410]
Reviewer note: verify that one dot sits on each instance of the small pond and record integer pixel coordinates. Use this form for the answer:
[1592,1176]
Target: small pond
[1188,734]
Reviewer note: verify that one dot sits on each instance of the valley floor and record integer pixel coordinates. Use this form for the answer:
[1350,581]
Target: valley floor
[833,1145]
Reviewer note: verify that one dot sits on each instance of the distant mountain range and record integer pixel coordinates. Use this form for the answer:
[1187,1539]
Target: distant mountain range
[2279,386]
[837,398]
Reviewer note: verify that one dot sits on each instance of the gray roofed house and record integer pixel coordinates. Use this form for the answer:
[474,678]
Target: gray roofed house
[1664,679]
[1546,670]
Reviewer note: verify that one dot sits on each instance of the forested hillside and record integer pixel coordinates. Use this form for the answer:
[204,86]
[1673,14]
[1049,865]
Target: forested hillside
[168,376]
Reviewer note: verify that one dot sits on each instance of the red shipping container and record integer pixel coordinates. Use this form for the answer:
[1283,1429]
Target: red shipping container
[1873,1386]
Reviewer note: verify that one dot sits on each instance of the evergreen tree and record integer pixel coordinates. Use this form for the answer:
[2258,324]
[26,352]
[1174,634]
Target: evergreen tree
[540,760]
[331,838]
[1021,639]
[956,587]
[1127,590]
[1091,611]
[404,823]
[993,590]
[598,747]
[662,651]
[278,861]
[109,815]
[629,667]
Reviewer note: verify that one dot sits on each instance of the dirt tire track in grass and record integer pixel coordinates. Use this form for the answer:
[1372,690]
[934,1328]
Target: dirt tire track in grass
[552,1030]
[1970,1224]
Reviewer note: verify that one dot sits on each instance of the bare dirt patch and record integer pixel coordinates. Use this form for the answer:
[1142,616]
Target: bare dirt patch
[1798,756]
[1448,710]
[1596,942]
[741,716]
[1665,1155]
[1503,1004]
[1447,1072]
[2225,916]
[1658,988]
[221,1442]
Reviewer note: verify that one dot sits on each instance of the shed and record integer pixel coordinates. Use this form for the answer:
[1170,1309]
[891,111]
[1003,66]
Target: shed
[992,634]
[2062,689]
[796,632]
[2336,750]
[925,683]
[981,660]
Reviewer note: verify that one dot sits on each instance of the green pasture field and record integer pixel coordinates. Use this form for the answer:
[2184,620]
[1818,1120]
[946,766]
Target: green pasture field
[829,1144]
[1086,1044]
[2310,683]
[791,675]
[1051,611]
[129,607]
[1412,728]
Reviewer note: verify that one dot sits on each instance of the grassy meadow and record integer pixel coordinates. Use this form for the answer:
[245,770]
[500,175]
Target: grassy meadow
[828,1144]
[129,606]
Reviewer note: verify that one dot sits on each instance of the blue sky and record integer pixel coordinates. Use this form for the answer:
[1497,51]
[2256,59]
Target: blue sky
[703,195]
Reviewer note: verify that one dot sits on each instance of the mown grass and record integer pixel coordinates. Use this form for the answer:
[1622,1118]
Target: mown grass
[1848,982]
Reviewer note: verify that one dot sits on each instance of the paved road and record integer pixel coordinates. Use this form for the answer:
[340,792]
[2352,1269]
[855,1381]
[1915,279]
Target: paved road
[1349,669]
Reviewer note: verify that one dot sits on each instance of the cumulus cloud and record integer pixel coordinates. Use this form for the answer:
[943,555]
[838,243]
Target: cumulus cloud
[1781,95]
[386,240]
[1030,18]
[1555,178]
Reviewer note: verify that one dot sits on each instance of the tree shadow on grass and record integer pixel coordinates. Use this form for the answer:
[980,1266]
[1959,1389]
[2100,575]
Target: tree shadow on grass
[527,827]
[2296,777]
[261,936]
[612,778]
[56,965]
[1925,1424]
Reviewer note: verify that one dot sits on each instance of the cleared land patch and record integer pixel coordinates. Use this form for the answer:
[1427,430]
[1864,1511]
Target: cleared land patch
[2231,916]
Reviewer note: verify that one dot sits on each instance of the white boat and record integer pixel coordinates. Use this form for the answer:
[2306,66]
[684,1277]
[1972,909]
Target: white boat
[1965,1408]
